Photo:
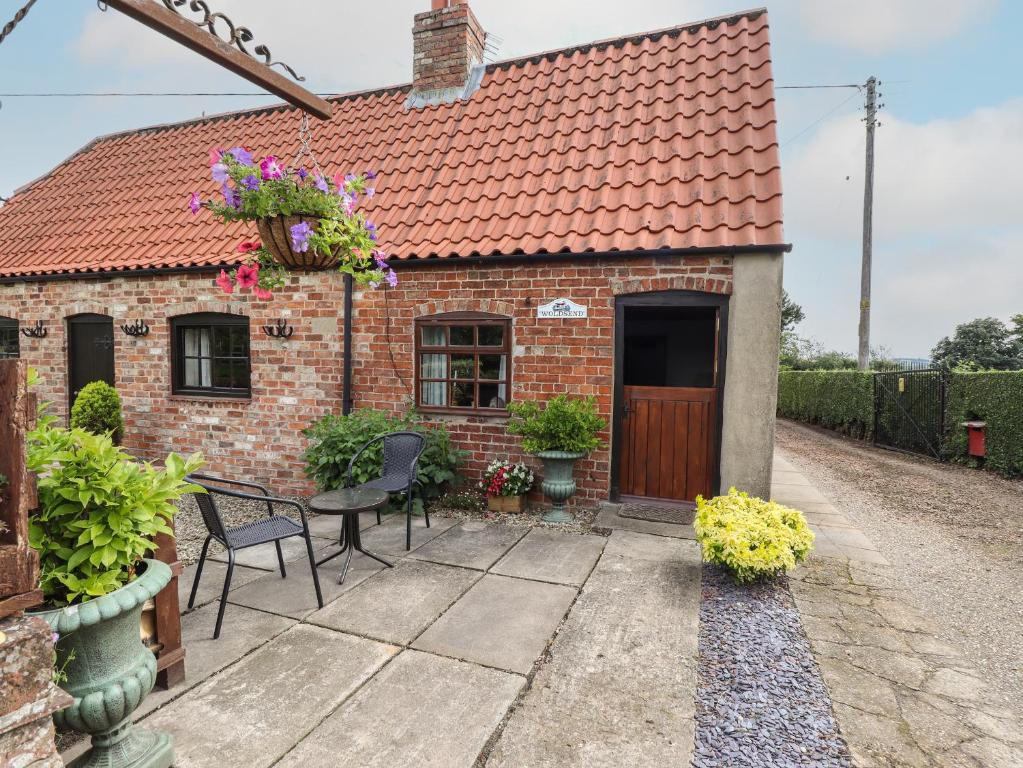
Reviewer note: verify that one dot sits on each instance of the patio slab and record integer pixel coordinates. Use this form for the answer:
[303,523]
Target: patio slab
[252,714]
[295,596]
[546,555]
[398,604]
[264,557]
[609,520]
[793,495]
[420,710]
[618,688]
[212,583]
[471,544]
[243,631]
[501,622]
[388,539]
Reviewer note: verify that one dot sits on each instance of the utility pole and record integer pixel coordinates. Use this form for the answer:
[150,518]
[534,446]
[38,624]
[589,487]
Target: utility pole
[868,227]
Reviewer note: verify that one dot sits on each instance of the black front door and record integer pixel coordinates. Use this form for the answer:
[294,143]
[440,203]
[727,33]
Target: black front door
[90,352]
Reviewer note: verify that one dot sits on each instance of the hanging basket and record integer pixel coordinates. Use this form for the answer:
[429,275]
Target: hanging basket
[275,232]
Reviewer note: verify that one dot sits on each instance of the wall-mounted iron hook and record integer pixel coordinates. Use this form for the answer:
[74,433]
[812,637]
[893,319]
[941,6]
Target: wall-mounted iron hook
[36,332]
[138,328]
[281,331]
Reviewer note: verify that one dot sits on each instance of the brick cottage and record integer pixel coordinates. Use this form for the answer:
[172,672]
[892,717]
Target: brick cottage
[601,220]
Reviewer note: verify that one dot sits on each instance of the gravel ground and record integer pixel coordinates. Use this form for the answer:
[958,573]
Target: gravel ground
[760,700]
[953,534]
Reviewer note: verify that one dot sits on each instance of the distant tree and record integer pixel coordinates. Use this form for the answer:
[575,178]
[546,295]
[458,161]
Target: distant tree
[800,354]
[791,313]
[984,344]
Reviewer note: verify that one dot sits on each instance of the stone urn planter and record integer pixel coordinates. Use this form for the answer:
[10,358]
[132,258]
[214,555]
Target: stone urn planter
[275,232]
[110,673]
[558,482]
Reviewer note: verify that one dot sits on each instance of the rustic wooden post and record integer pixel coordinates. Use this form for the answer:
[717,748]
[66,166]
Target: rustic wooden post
[170,658]
[28,696]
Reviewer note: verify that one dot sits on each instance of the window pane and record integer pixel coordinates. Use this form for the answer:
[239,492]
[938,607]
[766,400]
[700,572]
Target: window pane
[493,367]
[221,373]
[433,366]
[462,394]
[192,341]
[462,336]
[222,342]
[491,335]
[492,396]
[239,342]
[240,374]
[435,336]
[434,393]
[9,338]
[192,372]
[463,367]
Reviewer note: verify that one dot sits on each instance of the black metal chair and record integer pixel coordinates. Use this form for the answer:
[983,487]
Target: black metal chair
[401,467]
[273,528]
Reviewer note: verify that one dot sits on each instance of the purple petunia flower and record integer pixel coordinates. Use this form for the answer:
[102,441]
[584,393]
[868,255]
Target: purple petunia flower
[250,182]
[392,278]
[321,184]
[347,204]
[350,177]
[302,173]
[370,192]
[194,203]
[371,175]
[300,236]
[231,197]
[241,154]
[219,172]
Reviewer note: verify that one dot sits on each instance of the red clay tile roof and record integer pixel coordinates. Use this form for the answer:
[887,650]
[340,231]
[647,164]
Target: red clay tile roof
[662,140]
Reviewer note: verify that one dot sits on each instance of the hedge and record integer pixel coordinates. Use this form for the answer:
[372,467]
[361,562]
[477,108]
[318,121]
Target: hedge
[839,400]
[997,398]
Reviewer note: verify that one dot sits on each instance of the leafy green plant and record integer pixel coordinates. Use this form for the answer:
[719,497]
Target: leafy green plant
[463,500]
[997,398]
[563,424]
[97,409]
[336,439]
[98,510]
[839,400]
[752,538]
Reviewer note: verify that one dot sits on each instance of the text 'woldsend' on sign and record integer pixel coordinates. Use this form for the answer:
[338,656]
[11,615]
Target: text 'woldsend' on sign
[561,308]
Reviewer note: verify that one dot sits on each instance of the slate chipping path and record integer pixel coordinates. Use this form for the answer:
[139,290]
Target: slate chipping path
[760,699]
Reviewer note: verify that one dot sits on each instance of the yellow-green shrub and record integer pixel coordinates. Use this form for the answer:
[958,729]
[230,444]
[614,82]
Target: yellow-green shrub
[752,538]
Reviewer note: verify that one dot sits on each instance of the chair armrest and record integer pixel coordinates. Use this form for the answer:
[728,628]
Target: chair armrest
[290,503]
[242,483]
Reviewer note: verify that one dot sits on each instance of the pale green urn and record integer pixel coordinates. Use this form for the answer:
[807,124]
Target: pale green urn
[558,482]
[110,673]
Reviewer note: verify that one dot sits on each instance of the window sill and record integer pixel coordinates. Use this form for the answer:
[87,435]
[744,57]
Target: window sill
[210,399]
[453,413]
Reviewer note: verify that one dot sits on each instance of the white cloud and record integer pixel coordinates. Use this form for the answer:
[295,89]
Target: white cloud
[877,26]
[947,231]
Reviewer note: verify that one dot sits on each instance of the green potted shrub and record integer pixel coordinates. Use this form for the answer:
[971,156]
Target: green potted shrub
[559,434]
[751,538]
[97,409]
[98,513]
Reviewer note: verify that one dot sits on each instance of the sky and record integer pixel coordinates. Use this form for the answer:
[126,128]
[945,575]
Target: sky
[948,230]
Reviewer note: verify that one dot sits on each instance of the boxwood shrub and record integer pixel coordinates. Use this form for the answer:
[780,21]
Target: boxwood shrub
[839,400]
[336,439]
[97,409]
[997,398]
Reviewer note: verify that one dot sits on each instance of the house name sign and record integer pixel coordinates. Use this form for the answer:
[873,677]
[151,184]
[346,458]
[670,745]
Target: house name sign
[561,308]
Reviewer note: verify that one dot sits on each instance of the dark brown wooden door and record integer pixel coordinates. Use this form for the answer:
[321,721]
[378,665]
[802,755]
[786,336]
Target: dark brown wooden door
[667,448]
[90,352]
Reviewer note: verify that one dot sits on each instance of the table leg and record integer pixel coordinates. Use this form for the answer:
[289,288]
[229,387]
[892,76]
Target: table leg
[357,544]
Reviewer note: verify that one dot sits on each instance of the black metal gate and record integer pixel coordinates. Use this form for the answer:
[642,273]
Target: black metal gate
[909,410]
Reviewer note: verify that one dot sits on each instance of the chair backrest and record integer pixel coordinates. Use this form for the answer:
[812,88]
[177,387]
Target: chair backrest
[401,453]
[208,508]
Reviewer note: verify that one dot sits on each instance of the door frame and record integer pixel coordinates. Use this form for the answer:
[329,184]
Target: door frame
[667,299]
[85,318]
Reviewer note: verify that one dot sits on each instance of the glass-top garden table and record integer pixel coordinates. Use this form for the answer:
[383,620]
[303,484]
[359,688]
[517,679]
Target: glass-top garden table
[349,503]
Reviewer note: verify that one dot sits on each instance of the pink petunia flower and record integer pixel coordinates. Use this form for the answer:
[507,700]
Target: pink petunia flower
[215,154]
[271,168]
[225,282]
[194,203]
[249,245]
[248,276]
[262,293]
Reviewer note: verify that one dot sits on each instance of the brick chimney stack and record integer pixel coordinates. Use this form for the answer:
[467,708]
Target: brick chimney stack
[448,42]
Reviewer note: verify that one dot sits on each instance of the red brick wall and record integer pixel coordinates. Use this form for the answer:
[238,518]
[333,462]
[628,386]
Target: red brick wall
[298,380]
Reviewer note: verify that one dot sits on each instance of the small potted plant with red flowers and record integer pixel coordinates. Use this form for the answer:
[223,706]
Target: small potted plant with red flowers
[506,485]
[306,220]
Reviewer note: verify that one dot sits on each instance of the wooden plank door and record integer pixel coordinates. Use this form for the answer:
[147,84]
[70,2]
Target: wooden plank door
[90,352]
[667,449]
